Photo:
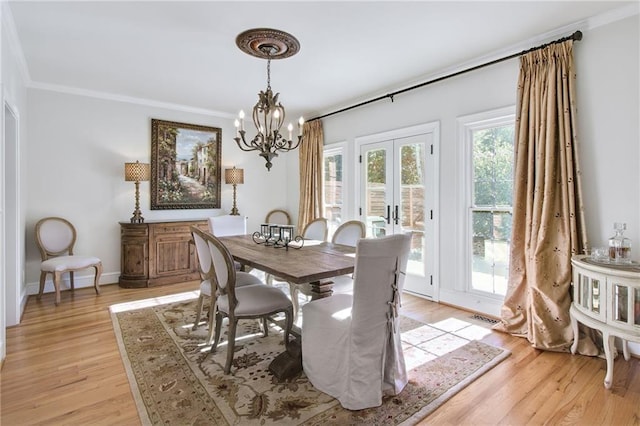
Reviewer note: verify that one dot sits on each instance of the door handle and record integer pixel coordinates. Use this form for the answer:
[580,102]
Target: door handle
[388,218]
[396,216]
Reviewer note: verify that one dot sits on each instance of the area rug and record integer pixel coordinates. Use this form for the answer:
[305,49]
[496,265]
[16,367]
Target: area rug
[176,380]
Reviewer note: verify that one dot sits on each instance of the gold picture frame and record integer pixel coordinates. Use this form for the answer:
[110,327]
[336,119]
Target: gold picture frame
[185,166]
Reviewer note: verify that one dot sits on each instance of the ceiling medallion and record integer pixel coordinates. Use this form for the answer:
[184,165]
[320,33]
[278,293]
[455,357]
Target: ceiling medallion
[267,43]
[268,114]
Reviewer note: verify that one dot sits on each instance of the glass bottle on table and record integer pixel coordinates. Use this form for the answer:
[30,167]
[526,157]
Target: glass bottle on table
[619,245]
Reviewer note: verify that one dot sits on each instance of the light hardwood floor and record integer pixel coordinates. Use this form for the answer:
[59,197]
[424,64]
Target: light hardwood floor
[63,367]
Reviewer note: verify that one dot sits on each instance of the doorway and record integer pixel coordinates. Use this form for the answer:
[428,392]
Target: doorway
[11,250]
[398,194]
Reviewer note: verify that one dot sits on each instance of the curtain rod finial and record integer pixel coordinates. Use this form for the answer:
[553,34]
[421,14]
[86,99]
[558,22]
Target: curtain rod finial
[577,36]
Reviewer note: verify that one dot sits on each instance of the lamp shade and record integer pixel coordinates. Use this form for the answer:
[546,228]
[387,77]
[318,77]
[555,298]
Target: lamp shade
[234,176]
[136,172]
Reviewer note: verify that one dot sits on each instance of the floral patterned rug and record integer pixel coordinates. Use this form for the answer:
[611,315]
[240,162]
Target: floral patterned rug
[176,380]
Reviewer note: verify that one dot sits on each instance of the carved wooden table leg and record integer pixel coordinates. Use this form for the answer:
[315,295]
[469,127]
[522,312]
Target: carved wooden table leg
[320,290]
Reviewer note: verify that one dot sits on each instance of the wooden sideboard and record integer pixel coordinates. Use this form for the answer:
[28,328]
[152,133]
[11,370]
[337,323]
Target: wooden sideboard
[158,253]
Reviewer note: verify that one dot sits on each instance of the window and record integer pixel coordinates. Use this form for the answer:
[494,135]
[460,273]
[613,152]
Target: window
[489,140]
[333,186]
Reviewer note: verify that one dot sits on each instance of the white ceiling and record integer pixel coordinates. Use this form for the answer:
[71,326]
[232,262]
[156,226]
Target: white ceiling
[184,53]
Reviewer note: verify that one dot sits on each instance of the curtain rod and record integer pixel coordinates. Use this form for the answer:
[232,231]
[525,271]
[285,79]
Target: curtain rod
[576,36]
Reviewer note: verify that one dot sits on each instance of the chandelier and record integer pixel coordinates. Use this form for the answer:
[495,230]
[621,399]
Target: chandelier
[268,113]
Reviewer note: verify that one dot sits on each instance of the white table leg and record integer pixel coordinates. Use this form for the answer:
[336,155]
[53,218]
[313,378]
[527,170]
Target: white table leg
[625,350]
[608,341]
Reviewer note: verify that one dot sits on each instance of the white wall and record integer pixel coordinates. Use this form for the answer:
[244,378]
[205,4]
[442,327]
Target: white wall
[608,62]
[77,149]
[607,78]
[13,94]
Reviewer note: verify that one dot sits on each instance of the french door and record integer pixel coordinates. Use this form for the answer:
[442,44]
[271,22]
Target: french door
[398,180]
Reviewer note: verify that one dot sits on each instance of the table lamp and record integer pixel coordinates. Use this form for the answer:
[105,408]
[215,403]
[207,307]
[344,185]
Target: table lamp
[136,172]
[234,176]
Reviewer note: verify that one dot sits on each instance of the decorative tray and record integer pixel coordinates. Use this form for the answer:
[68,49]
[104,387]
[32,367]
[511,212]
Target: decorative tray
[633,266]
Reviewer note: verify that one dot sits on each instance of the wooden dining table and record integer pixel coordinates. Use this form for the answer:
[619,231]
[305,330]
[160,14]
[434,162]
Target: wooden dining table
[314,263]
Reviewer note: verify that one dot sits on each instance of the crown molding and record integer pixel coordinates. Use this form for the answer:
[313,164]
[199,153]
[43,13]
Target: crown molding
[633,8]
[128,99]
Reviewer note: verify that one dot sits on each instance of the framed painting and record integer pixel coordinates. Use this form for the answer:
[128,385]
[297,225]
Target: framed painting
[185,166]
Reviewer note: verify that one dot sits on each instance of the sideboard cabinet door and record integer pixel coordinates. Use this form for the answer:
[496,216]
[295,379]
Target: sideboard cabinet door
[158,253]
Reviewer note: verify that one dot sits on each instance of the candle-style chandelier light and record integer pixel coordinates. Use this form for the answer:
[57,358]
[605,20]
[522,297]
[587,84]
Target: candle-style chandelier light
[268,113]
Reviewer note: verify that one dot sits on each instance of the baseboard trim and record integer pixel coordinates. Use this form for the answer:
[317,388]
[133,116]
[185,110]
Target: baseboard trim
[81,281]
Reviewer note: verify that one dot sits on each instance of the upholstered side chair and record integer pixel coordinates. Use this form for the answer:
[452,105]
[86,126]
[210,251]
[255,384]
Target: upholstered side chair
[56,238]
[205,265]
[278,216]
[242,302]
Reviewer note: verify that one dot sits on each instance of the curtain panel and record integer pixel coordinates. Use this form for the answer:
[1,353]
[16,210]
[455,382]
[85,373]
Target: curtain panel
[548,220]
[310,173]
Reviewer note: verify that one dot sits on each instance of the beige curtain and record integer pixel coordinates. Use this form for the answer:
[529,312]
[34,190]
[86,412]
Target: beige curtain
[548,220]
[310,173]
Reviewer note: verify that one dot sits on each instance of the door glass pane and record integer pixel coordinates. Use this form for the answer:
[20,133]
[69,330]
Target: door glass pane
[595,296]
[621,303]
[411,209]
[376,192]
[636,307]
[333,190]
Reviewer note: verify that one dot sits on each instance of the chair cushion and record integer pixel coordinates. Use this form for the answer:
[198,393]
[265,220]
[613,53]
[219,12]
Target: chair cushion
[68,263]
[256,300]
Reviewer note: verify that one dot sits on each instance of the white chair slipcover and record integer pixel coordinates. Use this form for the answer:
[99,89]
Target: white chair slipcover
[351,345]
[222,226]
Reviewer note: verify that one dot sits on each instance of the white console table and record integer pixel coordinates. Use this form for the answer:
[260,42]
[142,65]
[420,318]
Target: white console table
[606,297]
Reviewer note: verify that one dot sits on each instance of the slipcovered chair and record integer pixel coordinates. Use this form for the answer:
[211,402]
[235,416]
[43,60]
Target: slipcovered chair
[278,216]
[222,226]
[55,238]
[246,302]
[205,267]
[227,225]
[359,333]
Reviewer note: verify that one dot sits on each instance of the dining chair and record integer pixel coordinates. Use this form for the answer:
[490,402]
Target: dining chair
[360,333]
[205,267]
[56,238]
[278,216]
[242,302]
[225,225]
[316,230]
[348,234]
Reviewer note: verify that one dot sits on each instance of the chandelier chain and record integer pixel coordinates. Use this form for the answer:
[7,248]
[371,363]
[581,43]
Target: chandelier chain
[269,72]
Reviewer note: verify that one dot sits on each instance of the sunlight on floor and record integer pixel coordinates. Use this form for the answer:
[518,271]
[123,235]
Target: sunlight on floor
[429,341]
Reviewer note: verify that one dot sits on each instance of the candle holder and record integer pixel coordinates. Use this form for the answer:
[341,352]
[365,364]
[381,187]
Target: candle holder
[278,236]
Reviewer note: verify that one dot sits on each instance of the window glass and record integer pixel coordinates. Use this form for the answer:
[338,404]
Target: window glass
[492,158]
[333,187]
